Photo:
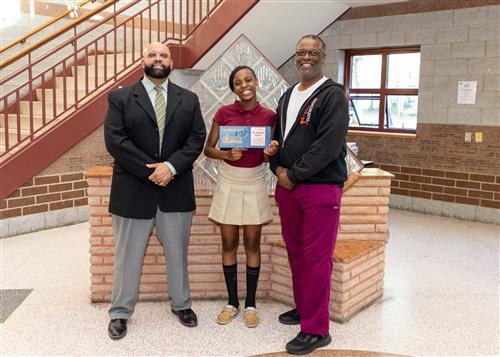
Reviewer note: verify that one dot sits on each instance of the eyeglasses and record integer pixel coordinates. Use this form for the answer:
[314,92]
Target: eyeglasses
[312,53]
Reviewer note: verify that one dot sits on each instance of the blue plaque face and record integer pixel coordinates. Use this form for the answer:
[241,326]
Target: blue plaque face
[248,137]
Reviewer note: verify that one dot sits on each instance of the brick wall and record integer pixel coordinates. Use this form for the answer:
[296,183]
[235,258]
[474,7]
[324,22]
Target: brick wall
[438,147]
[363,217]
[449,186]
[57,195]
[437,165]
[46,193]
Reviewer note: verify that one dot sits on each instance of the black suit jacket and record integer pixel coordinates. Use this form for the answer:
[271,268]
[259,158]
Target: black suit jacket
[131,137]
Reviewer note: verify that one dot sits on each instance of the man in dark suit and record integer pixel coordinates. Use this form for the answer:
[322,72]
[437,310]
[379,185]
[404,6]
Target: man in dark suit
[155,131]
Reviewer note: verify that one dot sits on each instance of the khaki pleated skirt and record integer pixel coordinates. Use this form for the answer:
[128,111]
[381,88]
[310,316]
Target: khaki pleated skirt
[240,197]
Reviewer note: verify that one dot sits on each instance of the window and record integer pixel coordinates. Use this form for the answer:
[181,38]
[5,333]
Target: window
[11,13]
[382,87]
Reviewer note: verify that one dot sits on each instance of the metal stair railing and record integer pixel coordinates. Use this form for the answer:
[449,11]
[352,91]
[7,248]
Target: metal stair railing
[48,87]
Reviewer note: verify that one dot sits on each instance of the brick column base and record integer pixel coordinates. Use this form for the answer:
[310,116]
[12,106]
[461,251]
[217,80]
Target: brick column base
[356,281]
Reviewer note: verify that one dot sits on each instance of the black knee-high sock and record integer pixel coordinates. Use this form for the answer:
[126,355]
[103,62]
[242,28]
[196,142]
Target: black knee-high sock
[252,279]
[230,274]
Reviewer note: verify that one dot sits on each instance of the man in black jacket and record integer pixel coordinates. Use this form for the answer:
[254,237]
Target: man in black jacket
[311,171]
[155,131]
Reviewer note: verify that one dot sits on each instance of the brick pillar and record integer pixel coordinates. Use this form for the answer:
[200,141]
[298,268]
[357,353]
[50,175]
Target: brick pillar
[204,254]
[356,282]
[101,235]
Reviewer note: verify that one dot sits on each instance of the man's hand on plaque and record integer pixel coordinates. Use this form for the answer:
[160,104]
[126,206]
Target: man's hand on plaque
[234,154]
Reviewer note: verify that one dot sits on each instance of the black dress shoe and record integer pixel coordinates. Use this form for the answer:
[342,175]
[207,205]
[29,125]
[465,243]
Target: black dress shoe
[117,328]
[291,317]
[306,343]
[187,317]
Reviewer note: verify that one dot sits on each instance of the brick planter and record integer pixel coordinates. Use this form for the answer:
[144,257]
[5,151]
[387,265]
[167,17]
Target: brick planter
[357,279]
[363,218]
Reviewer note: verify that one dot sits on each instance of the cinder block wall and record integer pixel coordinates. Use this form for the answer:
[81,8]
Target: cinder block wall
[437,171]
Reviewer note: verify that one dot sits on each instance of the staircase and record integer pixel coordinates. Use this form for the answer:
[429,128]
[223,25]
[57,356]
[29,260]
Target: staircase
[54,108]
[54,98]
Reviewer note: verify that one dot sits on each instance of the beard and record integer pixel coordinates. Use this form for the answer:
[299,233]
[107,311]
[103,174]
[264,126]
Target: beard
[157,73]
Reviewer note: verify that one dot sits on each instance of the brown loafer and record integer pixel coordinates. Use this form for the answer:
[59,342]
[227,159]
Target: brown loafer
[251,317]
[227,314]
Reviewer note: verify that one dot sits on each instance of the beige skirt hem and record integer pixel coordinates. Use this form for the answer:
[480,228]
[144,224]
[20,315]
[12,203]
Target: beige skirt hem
[246,224]
[240,197]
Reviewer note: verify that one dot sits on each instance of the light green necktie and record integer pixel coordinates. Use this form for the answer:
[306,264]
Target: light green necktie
[160,112]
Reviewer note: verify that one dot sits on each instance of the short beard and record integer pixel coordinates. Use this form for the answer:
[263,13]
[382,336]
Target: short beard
[157,73]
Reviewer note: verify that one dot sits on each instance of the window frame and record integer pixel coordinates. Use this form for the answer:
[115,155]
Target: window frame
[382,91]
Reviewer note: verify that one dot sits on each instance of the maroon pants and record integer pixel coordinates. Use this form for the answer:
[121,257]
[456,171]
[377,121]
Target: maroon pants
[309,220]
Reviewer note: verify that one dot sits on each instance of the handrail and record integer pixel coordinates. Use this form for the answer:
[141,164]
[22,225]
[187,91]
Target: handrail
[73,58]
[52,99]
[130,4]
[61,16]
[55,34]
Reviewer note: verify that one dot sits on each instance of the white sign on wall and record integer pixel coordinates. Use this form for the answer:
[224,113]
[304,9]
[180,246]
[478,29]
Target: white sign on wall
[466,92]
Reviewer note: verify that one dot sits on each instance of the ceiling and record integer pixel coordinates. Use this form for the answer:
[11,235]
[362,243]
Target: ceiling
[274,26]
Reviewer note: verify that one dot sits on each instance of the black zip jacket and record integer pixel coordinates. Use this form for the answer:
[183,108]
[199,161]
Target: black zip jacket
[314,150]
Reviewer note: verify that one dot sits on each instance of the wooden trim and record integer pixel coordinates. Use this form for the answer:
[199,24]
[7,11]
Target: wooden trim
[347,71]
[346,250]
[387,134]
[24,37]
[355,176]
[99,172]
[374,172]
[412,7]
[48,9]
[57,33]
[382,91]
[382,50]
[386,91]
[383,81]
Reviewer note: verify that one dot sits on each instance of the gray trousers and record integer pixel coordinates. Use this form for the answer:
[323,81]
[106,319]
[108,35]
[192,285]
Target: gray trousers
[131,239]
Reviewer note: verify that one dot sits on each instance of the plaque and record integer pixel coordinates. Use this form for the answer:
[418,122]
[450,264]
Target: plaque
[248,137]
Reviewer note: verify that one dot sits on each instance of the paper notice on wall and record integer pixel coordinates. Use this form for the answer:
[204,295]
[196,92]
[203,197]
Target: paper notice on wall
[466,92]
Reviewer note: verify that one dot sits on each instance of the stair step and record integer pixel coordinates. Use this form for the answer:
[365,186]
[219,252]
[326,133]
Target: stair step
[12,136]
[24,108]
[90,70]
[70,82]
[24,121]
[110,58]
[49,94]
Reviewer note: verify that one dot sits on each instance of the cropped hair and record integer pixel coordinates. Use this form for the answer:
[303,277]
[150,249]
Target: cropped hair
[236,70]
[314,37]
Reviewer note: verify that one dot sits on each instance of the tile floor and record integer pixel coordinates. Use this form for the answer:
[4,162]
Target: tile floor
[441,299]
